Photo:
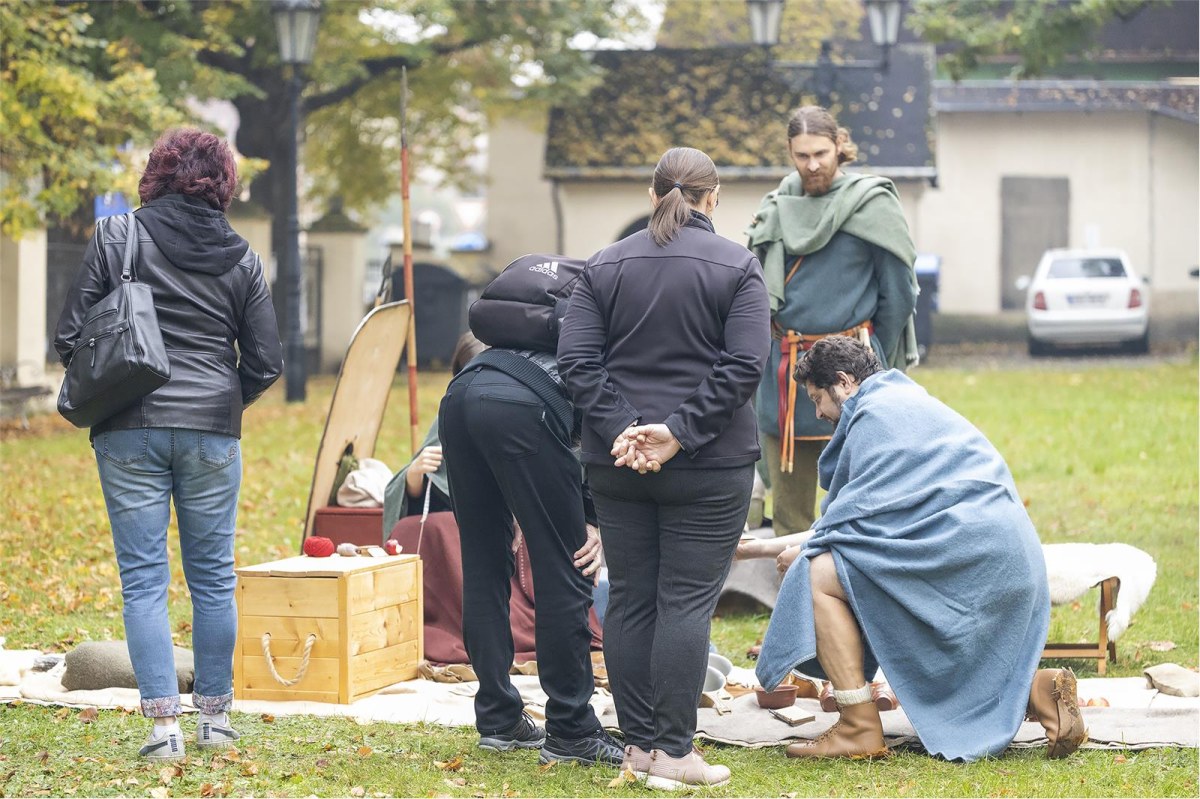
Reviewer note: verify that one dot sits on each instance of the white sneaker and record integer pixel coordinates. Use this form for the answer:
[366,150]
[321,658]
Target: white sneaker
[215,731]
[690,771]
[165,742]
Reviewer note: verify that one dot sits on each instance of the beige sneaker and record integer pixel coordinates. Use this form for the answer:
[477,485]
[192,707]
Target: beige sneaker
[637,760]
[690,771]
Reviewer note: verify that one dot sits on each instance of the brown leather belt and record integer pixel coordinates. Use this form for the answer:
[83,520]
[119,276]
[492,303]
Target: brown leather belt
[791,344]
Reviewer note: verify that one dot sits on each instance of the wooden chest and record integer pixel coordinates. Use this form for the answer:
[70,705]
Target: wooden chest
[362,615]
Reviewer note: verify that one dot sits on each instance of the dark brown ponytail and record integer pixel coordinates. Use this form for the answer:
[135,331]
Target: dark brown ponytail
[681,179]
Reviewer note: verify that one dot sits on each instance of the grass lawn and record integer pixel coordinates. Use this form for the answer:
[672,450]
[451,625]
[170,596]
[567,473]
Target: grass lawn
[1100,454]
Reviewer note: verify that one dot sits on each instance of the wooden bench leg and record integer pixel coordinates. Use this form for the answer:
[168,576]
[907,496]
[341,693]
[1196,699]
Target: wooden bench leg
[1108,600]
[1103,650]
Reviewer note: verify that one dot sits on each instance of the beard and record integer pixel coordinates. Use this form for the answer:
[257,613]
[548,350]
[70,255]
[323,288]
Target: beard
[817,183]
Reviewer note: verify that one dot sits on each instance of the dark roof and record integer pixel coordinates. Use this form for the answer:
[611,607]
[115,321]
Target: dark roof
[1172,100]
[1162,30]
[729,103]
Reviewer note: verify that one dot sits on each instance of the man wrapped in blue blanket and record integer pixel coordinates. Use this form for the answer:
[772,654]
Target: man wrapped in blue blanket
[924,562]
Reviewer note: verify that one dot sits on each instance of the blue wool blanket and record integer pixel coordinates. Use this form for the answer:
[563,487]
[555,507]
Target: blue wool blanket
[940,563]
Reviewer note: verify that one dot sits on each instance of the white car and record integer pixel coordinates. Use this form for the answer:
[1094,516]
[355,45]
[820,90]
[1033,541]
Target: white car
[1086,297]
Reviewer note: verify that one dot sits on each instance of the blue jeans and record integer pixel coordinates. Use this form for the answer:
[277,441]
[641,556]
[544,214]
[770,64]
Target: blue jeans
[140,471]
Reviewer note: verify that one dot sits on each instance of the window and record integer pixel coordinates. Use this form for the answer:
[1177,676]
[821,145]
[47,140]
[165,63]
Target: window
[1086,267]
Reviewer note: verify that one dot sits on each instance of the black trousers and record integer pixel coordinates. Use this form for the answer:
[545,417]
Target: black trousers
[506,456]
[669,540]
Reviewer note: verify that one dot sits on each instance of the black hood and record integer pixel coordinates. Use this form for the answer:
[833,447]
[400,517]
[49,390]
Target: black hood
[192,234]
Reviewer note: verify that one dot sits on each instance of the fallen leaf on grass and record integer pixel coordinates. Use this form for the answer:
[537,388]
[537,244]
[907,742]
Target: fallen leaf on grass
[327,747]
[62,713]
[358,790]
[322,763]
[791,795]
[626,777]
[1120,759]
[160,793]
[457,782]
[542,769]
[168,773]
[43,756]
[453,764]
[133,781]
[267,718]
[88,715]
[8,777]
[207,790]
[365,751]
[249,769]
[1161,646]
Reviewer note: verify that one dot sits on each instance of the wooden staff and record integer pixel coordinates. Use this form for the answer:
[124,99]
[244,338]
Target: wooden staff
[414,423]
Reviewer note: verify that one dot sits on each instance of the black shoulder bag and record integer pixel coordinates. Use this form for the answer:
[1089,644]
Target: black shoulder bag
[119,357]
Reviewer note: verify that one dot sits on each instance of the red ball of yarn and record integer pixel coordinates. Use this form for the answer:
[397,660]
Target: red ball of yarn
[318,547]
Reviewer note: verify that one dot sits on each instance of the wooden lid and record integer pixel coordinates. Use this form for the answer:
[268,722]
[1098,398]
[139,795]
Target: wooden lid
[332,566]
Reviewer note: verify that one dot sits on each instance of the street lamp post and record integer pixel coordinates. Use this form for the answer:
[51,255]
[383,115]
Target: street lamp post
[296,27]
[766,16]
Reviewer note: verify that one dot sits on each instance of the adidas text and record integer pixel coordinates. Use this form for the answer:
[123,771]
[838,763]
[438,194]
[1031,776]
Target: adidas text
[550,268]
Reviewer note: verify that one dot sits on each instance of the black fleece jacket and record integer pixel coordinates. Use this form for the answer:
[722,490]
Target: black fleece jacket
[676,334]
[209,293]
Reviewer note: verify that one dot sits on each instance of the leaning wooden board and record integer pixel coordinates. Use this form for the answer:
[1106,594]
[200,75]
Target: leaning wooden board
[359,398]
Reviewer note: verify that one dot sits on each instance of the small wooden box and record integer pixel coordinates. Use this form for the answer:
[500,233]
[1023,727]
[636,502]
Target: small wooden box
[365,615]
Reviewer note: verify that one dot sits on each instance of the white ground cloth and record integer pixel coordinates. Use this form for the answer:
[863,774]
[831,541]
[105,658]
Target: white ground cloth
[1137,717]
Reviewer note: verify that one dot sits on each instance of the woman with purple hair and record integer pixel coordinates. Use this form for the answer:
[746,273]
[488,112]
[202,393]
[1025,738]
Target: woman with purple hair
[181,442]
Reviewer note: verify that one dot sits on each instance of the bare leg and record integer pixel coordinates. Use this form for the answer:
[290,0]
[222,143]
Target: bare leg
[839,641]
[858,733]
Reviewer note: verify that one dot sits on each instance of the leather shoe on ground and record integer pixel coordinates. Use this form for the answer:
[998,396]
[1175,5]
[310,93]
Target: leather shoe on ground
[857,735]
[1054,703]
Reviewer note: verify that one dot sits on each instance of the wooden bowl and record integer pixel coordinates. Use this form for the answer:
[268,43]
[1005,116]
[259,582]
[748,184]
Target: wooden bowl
[783,696]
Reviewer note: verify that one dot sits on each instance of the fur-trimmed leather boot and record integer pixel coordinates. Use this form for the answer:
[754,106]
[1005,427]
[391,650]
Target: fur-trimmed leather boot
[857,735]
[1054,704]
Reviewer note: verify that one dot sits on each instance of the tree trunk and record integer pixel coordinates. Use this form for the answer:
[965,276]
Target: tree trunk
[269,188]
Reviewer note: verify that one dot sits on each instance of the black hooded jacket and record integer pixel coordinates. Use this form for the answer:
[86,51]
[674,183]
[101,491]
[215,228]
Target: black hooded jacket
[210,294]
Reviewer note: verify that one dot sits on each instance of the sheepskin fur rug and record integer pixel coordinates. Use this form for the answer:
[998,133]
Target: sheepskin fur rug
[1075,568]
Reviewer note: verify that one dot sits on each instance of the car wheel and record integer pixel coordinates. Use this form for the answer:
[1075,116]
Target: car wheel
[1037,347]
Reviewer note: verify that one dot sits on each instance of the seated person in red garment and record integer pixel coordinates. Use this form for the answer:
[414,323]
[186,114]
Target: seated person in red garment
[436,540]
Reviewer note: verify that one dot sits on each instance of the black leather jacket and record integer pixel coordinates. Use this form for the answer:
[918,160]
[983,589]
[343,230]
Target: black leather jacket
[209,293]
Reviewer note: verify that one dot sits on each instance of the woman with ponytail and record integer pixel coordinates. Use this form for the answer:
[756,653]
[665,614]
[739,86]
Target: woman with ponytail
[662,349]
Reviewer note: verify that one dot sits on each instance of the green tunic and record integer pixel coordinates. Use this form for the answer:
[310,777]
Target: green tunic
[857,266]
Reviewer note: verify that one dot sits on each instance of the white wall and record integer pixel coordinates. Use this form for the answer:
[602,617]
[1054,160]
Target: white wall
[1125,191]
[1173,211]
[520,208]
[23,305]
[256,230]
[344,260]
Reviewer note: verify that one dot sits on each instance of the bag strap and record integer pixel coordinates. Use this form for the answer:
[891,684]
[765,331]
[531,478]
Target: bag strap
[130,248]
